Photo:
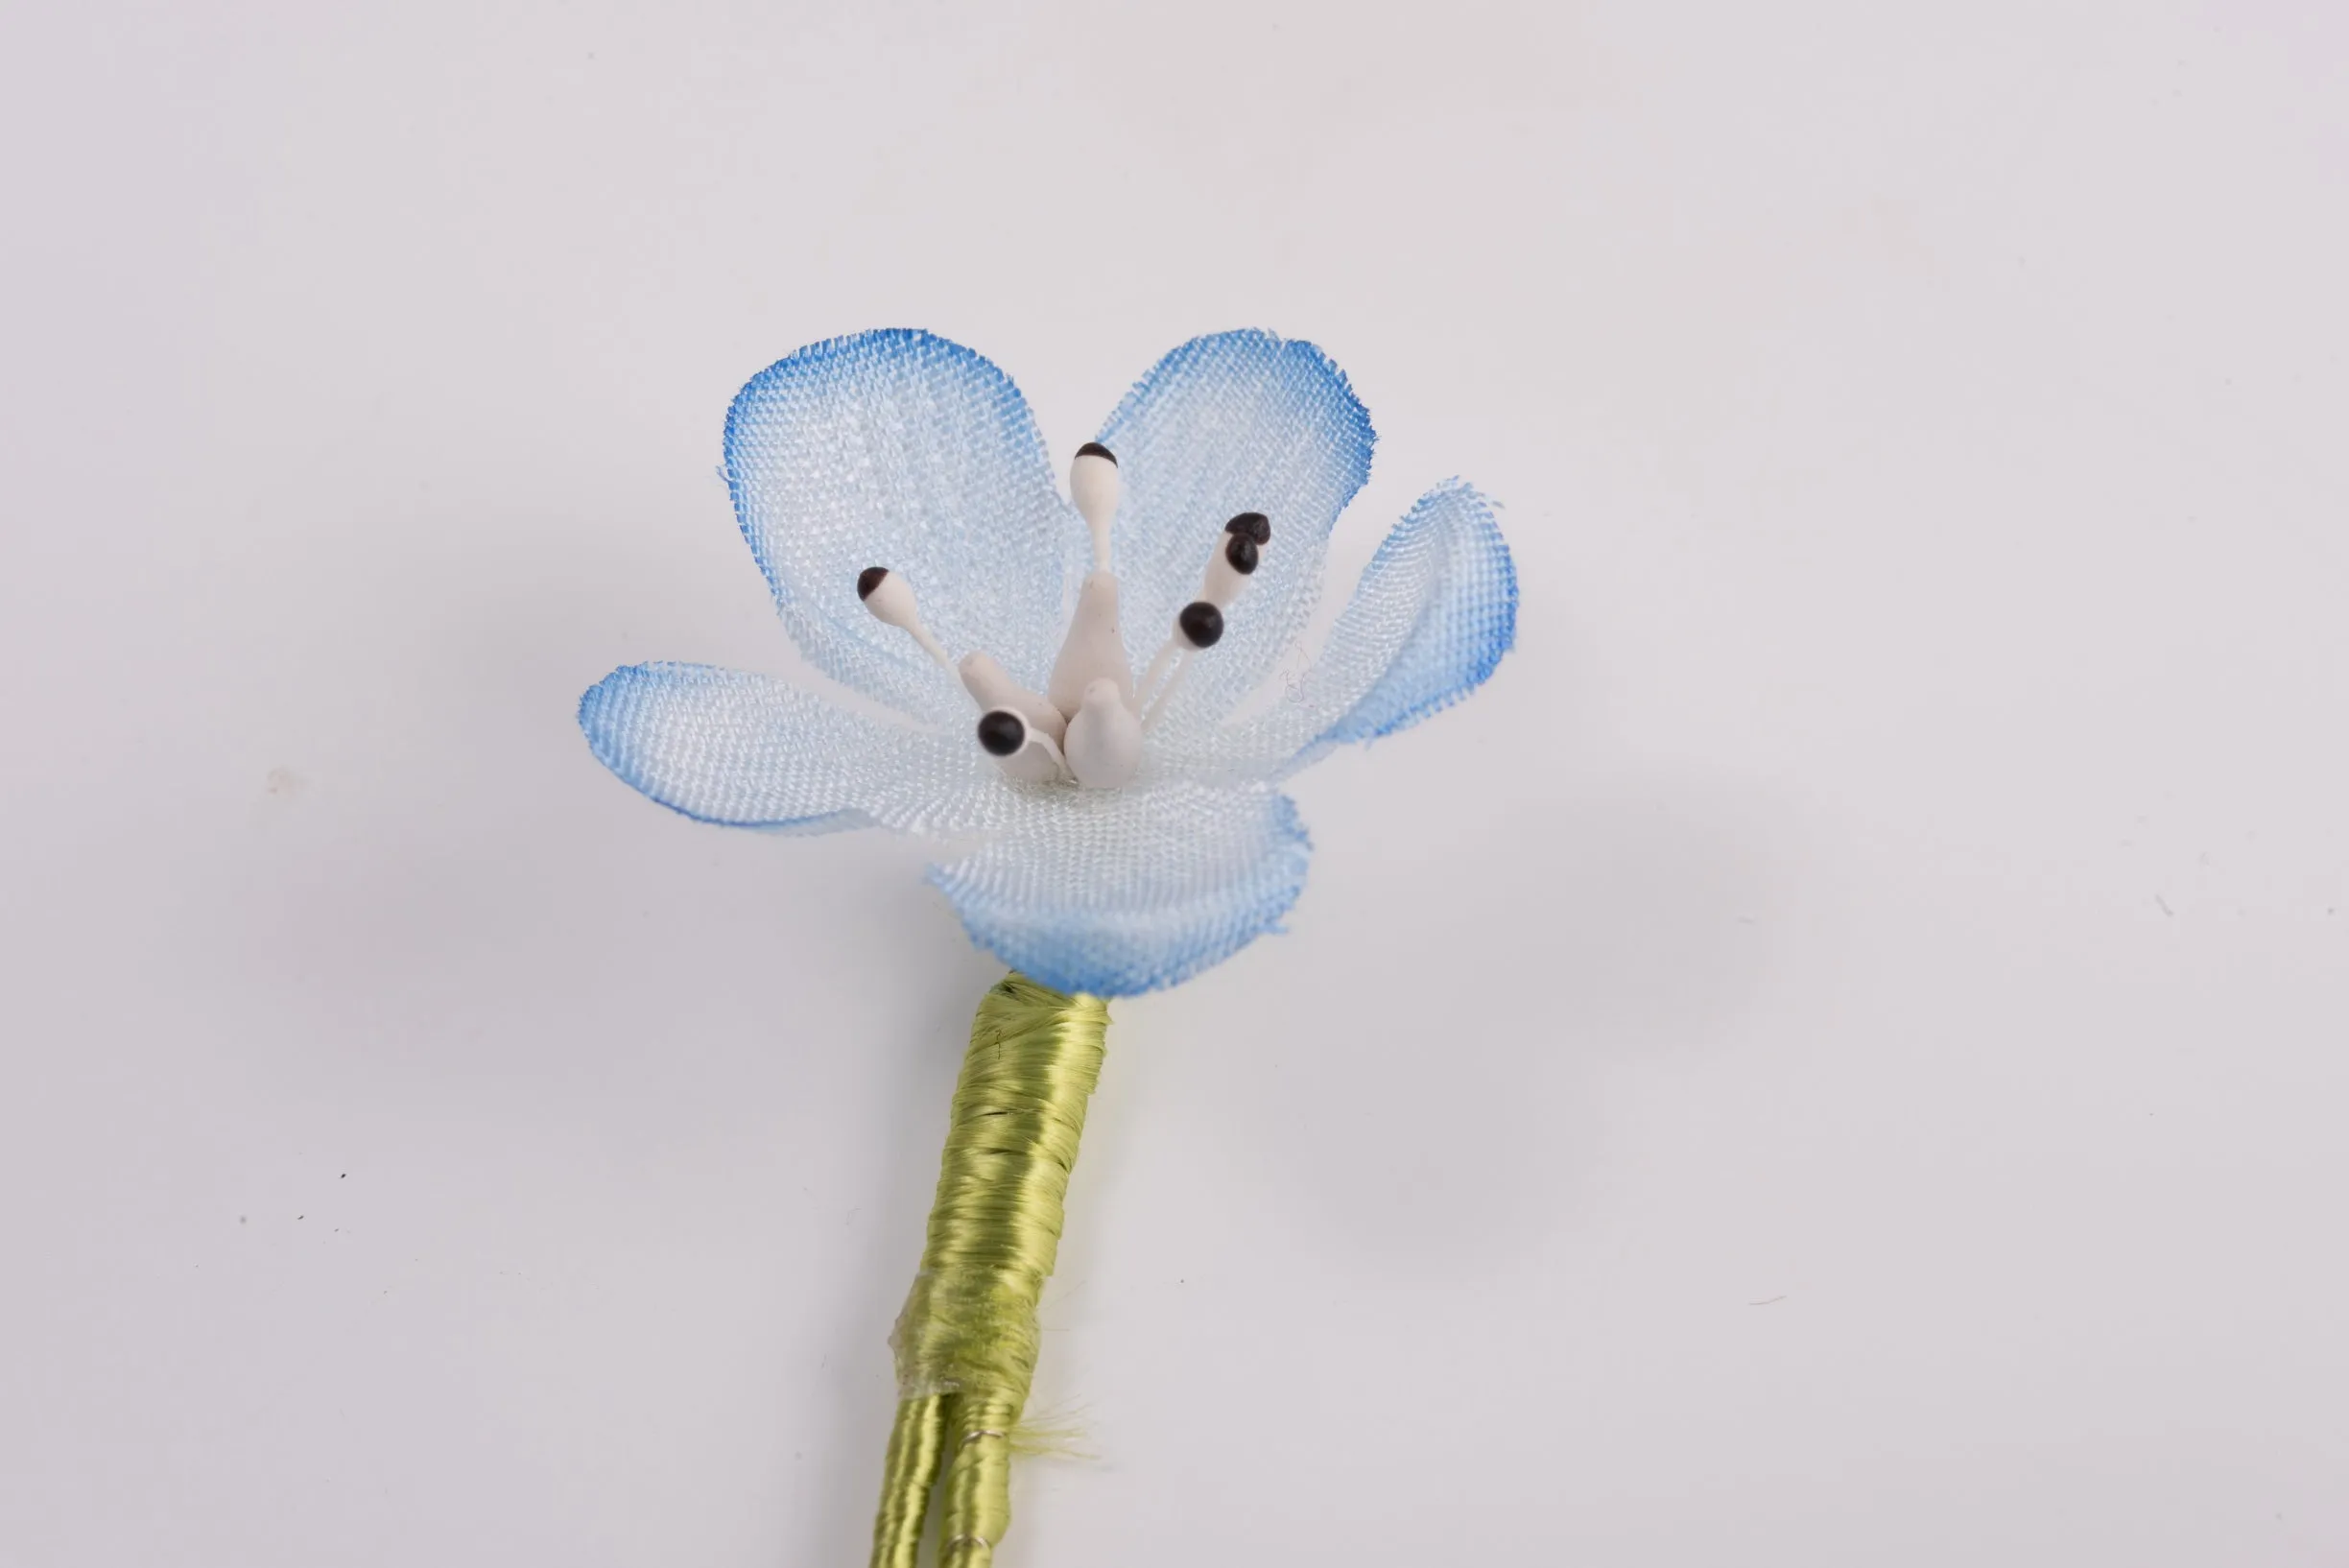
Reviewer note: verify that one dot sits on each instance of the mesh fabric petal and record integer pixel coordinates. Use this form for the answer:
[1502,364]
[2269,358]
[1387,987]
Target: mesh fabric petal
[1434,612]
[748,750]
[1236,421]
[901,449]
[1119,892]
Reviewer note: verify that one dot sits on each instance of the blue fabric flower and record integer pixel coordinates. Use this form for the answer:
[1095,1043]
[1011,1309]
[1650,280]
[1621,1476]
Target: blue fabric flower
[901,449]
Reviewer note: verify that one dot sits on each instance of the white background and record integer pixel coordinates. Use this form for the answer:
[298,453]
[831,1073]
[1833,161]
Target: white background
[1839,1056]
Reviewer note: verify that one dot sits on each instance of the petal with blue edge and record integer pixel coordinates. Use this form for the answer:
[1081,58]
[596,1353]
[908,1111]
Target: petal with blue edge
[1433,613]
[1232,423]
[904,450]
[1122,892]
[748,750]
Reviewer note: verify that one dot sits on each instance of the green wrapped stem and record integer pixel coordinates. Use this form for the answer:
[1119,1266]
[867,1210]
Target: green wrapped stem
[966,1342]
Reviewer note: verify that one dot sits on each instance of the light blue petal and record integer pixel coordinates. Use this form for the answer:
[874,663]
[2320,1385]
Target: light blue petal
[901,449]
[1239,422]
[722,745]
[1434,612]
[1121,892]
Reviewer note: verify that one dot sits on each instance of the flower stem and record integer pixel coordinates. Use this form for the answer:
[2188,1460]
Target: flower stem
[966,1342]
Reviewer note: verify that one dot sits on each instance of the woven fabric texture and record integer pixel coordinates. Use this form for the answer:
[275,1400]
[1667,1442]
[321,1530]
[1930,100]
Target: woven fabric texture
[1238,421]
[1436,609]
[902,449]
[1125,891]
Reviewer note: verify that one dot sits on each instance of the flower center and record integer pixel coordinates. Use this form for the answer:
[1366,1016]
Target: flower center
[1087,728]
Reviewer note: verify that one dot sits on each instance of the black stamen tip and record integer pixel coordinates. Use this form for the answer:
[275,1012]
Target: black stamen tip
[1241,551]
[1094,449]
[1255,525]
[1002,732]
[869,580]
[1201,623]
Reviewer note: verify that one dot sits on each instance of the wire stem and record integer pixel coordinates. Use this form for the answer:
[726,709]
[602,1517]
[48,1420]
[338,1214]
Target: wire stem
[966,1342]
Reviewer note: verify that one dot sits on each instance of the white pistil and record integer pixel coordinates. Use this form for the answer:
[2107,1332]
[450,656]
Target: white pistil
[1093,489]
[1094,650]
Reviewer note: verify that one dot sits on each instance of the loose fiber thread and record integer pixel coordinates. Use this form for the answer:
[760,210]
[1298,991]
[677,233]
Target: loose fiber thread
[966,1340]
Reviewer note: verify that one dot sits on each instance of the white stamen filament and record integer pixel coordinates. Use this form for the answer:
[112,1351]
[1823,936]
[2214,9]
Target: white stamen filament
[991,686]
[1223,582]
[889,598]
[1037,761]
[1158,667]
[1158,707]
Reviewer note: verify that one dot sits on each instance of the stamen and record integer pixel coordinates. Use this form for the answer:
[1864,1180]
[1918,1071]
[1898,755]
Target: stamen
[1231,567]
[1002,732]
[1199,627]
[1159,666]
[1021,751]
[991,686]
[1201,623]
[1166,693]
[889,598]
